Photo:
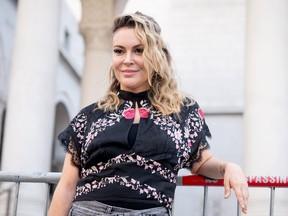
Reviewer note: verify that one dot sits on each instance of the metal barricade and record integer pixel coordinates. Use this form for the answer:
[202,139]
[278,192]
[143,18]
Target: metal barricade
[271,182]
[47,178]
[50,178]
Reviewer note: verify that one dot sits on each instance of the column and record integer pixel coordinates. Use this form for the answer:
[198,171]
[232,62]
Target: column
[266,98]
[96,28]
[30,109]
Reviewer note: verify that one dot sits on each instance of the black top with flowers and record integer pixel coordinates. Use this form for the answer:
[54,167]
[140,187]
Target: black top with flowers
[141,175]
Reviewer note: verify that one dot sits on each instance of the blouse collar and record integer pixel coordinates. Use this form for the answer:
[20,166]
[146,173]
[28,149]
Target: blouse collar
[125,95]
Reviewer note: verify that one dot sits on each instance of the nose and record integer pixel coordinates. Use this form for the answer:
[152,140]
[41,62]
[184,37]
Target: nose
[128,59]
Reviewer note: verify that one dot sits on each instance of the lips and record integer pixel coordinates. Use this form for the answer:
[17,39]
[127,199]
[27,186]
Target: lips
[129,72]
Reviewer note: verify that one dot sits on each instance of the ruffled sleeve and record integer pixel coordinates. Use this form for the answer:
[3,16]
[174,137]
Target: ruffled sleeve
[196,132]
[72,137]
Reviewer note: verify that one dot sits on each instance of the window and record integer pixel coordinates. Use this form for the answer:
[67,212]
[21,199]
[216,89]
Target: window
[67,39]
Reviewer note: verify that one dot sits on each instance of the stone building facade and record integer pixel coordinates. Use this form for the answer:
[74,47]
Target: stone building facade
[231,55]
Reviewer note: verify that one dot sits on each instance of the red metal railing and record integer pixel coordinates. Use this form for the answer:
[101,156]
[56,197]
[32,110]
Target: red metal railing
[253,181]
[271,182]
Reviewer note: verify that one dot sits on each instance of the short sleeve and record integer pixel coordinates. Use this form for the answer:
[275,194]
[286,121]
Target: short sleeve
[196,132]
[72,137]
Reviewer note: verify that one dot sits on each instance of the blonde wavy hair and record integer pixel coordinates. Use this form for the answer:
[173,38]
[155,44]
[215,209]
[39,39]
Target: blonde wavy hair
[163,93]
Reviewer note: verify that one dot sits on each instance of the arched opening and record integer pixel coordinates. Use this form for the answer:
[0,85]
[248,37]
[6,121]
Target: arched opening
[58,154]
[61,122]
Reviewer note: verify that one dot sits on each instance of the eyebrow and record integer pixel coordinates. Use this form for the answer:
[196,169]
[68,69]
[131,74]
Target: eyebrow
[119,46]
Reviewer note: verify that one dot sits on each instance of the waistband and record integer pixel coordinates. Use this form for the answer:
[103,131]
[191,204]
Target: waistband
[95,207]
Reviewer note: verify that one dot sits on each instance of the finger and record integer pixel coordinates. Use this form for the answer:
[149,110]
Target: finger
[246,197]
[227,189]
[242,199]
[227,193]
[244,210]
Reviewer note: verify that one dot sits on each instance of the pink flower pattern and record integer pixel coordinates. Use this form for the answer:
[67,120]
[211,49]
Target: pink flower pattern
[130,113]
[151,165]
[201,114]
[126,182]
[144,113]
[184,135]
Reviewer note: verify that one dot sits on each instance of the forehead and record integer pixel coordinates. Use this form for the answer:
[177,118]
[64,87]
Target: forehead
[125,36]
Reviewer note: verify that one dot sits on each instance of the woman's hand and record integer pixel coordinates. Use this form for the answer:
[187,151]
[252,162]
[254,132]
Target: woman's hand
[234,178]
[232,174]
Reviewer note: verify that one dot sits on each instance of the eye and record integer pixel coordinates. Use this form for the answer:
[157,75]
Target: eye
[138,50]
[118,51]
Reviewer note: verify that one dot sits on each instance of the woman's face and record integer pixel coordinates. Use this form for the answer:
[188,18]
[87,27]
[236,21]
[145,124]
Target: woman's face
[128,62]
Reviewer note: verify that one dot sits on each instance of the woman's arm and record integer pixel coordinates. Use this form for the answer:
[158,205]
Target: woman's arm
[232,174]
[65,190]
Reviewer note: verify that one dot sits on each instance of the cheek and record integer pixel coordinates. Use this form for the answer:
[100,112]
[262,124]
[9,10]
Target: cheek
[146,76]
[140,63]
[116,73]
[116,62]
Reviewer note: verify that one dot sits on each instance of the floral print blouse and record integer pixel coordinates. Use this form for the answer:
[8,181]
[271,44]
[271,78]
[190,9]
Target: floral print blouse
[112,171]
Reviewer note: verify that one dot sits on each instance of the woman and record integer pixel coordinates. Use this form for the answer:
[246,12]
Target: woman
[124,152]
